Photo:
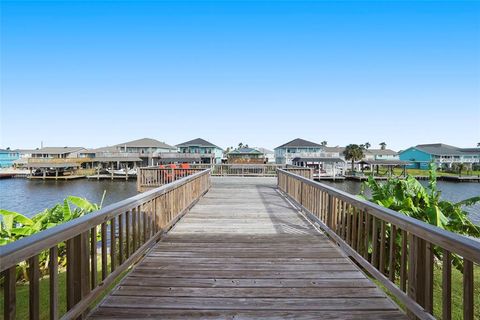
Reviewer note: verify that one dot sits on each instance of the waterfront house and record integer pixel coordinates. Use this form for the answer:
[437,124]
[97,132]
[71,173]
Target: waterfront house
[61,160]
[7,157]
[246,156]
[297,148]
[269,154]
[443,155]
[205,150]
[334,152]
[57,152]
[380,154]
[111,157]
[24,155]
[146,148]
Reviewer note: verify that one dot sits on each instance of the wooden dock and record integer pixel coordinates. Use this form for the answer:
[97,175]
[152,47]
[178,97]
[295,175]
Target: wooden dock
[110,177]
[68,177]
[243,252]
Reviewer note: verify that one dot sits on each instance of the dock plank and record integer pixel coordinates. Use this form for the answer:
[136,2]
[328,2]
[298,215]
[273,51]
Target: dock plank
[243,252]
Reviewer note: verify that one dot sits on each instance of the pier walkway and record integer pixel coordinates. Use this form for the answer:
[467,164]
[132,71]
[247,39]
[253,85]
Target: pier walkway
[244,252]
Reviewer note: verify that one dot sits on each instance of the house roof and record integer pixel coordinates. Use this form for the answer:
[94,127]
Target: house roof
[102,149]
[198,142]
[439,149]
[334,149]
[470,150]
[145,143]
[25,151]
[264,150]
[245,151]
[57,150]
[386,152]
[299,143]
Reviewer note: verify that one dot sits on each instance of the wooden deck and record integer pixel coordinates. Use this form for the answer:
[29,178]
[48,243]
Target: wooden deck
[243,252]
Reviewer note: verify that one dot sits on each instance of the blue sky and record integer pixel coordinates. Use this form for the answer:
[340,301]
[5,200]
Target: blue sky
[101,73]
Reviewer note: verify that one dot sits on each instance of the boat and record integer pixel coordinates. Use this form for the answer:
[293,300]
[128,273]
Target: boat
[122,172]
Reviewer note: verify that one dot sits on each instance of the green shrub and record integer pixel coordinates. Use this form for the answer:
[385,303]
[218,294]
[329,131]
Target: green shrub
[408,196]
[15,226]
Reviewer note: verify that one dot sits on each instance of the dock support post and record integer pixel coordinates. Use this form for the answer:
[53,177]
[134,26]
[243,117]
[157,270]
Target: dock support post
[44,174]
[111,172]
[56,174]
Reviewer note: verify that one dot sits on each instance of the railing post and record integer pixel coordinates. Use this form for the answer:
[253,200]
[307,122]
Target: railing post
[81,274]
[416,274]
[287,178]
[330,211]
[9,290]
[301,194]
[139,177]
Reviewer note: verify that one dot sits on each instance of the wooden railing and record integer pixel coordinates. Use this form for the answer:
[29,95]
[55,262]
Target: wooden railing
[153,177]
[245,170]
[301,171]
[397,250]
[242,170]
[122,232]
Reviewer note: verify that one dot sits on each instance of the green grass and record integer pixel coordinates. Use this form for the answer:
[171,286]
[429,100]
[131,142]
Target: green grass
[418,172]
[23,293]
[457,293]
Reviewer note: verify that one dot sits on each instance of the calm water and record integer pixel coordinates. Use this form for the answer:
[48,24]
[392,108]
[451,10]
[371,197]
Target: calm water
[30,197]
[450,191]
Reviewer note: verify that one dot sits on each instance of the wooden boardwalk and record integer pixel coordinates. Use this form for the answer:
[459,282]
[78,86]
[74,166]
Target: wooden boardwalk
[243,252]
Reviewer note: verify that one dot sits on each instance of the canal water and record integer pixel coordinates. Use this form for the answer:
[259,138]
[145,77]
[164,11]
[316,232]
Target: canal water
[30,197]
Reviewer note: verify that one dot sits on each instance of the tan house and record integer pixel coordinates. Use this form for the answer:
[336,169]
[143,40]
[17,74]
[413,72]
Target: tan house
[246,156]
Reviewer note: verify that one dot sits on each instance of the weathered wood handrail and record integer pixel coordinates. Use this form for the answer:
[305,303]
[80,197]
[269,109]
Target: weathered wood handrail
[245,170]
[301,171]
[127,230]
[153,177]
[395,249]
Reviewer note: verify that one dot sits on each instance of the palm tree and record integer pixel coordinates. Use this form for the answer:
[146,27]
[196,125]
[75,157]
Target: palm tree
[367,145]
[240,145]
[478,144]
[383,145]
[353,152]
[323,143]
[461,167]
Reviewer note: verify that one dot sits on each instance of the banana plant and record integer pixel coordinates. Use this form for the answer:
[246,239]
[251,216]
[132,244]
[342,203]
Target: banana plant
[15,226]
[408,196]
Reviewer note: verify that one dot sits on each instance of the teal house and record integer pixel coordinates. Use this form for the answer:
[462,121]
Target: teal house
[7,157]
[443,155]
[209,153]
